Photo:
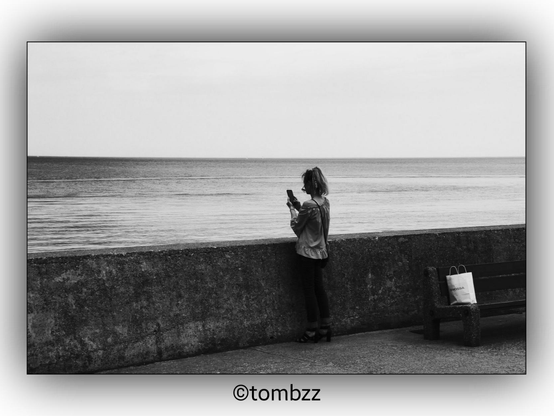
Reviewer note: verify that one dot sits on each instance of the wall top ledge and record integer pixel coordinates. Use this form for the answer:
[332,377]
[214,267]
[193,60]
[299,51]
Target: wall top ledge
[268,241]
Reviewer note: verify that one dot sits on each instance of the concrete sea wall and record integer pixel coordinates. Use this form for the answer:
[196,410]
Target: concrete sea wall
[96,310]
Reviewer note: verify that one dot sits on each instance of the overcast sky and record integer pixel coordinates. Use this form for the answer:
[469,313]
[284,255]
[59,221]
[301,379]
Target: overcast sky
[287,100]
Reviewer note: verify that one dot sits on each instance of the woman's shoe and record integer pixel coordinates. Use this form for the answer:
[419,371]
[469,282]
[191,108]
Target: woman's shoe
[324,332]
[308,338]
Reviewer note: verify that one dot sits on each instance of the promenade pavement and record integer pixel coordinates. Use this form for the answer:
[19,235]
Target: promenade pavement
[395,351]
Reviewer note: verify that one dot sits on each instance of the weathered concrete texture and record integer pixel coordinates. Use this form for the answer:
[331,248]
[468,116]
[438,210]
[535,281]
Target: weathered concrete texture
[391,351]
[91,311]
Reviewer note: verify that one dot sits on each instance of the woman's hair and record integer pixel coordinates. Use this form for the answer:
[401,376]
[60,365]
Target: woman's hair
[318,181]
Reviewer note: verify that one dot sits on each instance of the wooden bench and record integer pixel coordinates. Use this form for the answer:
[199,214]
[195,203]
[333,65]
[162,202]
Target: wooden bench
[489,277]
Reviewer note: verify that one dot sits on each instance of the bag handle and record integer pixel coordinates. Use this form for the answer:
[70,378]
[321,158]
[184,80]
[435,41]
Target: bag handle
[322,221]
[457,269]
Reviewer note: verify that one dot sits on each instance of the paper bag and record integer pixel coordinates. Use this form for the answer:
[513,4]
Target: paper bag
[460,287]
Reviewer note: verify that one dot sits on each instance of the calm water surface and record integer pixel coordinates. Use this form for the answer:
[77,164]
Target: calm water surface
[83,203]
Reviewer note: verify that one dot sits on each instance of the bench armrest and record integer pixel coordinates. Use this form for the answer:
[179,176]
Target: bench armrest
[453,311]
[432,295]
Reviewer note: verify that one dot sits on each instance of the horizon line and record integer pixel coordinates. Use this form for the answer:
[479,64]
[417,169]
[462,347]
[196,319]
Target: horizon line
[276,158]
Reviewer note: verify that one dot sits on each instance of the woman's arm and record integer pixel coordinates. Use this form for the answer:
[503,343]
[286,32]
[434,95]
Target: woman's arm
[293,214]
[299,220]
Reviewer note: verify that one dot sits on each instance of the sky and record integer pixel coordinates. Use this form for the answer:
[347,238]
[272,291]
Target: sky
[285,100]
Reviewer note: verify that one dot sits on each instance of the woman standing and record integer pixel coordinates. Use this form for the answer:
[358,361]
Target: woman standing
[311,225]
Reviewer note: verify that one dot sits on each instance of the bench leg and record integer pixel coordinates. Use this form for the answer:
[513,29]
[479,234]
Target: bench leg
[431,327]
[471,319]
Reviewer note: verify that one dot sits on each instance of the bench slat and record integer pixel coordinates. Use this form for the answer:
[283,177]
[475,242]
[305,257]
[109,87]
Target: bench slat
[500,305]
[512,281]
[486,284]
[488,269]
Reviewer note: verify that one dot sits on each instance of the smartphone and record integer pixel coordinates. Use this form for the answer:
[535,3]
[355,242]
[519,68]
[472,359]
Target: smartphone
[291,195]
[295,202]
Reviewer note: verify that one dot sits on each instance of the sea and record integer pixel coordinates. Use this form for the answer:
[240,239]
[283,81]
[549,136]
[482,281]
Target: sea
[97,203]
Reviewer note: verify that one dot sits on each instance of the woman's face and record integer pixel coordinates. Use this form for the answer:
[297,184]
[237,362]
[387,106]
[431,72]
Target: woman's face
[307,187]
